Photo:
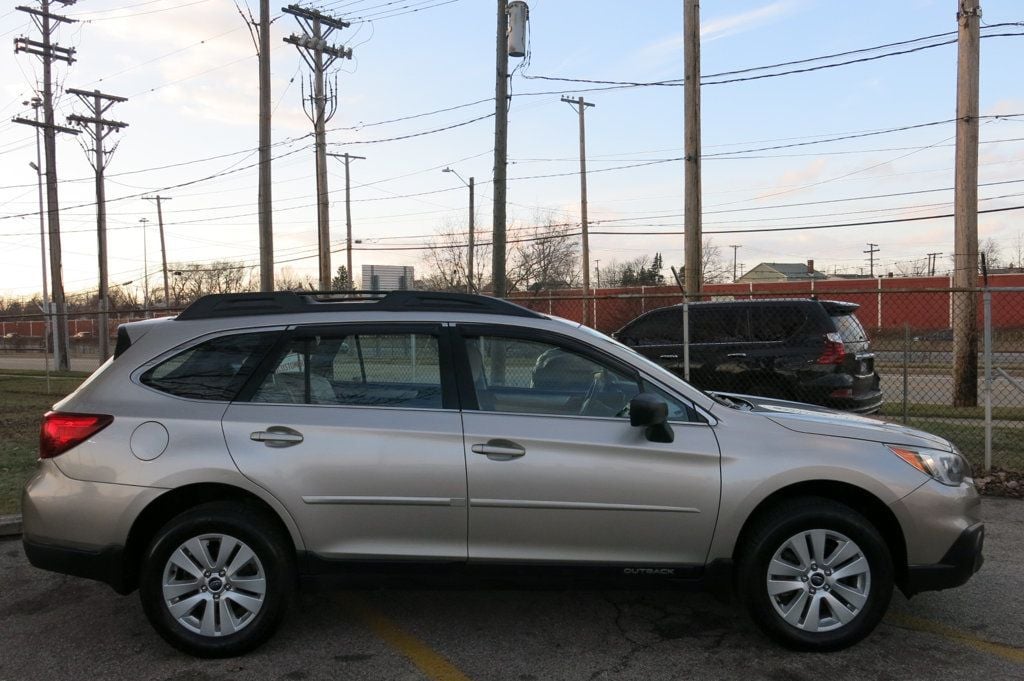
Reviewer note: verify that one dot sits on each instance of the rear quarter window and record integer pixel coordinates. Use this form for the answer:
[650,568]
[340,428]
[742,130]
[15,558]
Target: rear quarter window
[213,370]
[850,328]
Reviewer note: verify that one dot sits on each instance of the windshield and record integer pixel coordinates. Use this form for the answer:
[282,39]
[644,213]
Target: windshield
[648,364]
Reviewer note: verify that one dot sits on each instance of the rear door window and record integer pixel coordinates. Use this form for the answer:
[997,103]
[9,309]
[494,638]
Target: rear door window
[357,369]
[777,323]
[719,324]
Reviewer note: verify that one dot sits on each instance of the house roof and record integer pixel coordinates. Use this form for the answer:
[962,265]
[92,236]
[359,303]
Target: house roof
[790,270]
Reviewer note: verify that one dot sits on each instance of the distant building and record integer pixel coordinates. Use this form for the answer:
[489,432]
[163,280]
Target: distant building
[782,271]
[387,278]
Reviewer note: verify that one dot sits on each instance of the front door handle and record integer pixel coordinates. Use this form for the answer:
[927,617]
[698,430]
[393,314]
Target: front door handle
[668,356]
[277,436]
[736,355]
[500,450]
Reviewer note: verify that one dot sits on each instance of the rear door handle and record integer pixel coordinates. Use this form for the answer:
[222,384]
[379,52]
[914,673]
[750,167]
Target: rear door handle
[668,356]
[737,354]
[500,450]
[277,436]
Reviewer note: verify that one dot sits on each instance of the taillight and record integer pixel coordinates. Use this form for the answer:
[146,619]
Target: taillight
[62,431]
[834,352]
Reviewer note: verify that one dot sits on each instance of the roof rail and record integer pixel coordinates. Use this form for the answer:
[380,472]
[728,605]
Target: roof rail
[289,302]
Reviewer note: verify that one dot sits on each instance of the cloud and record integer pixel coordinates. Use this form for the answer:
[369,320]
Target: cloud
[671,48]
[738,23]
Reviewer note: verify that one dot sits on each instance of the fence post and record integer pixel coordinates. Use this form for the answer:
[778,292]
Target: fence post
[686,339]
[988,377]
[906,363]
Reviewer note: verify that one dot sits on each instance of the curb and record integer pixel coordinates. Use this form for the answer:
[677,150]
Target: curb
[10,525]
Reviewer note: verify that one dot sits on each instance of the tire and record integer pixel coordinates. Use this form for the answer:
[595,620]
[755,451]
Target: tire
[815,575]
[217,579]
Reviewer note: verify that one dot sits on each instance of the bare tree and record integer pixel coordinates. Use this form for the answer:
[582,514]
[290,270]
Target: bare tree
[543,257]
[288,280]
[992,251]
[1018,251]
[446,260]
[715,269]
[911,268]
[192,280]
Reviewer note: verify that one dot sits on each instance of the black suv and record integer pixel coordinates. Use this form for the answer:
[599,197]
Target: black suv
[813,351]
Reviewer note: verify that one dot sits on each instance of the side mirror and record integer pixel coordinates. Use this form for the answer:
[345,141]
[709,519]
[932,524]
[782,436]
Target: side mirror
[650,411]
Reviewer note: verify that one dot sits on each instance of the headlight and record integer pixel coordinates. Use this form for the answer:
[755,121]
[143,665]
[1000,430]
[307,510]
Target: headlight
[949,468]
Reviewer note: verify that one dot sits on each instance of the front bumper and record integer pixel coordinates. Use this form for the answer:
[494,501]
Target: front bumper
[959,564]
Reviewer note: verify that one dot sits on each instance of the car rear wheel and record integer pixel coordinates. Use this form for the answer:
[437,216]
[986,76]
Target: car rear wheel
[816,575]
[216,580]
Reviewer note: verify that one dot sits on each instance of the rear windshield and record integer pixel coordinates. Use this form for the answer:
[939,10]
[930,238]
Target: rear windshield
[850,329]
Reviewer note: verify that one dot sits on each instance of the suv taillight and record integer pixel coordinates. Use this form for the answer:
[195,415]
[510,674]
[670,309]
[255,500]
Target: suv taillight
[61,431]
[834,352]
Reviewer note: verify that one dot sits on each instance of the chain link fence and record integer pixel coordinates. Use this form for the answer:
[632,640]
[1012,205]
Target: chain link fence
[867,346]
[886,352]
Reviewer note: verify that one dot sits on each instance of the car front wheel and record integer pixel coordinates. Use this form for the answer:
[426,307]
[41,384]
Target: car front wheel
[816,575]
[216,580]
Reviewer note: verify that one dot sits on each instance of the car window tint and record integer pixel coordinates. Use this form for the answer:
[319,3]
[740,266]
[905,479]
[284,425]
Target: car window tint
[661,327]
[214,370]
[777,323]
[850,328]
[375,370]
[530,377]
[719,324]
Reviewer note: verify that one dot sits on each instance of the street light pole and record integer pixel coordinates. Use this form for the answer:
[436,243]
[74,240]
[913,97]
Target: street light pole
[145,268]
[36,102]
[470,282]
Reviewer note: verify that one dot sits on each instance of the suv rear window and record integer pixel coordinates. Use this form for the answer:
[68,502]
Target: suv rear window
[850,329]
[214,370]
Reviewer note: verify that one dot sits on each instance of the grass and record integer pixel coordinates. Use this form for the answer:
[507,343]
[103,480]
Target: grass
[23,400]
[894,410]
[1007,443]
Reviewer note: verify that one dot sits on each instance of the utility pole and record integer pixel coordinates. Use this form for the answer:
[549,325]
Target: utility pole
[498,245]
[163,246]
[319,55]
[471,247]
[965,253]
[692,274]
[266,221]
[872,249]
[145,267]
[597,271]
[581,106]
[47,52]
[932,259]
[734,247]
[348,214]
[98,129]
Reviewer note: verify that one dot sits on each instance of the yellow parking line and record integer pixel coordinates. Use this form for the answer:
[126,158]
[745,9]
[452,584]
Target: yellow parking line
[917,624]
[433,665]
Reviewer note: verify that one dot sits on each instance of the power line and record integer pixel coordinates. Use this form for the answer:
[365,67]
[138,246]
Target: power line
[679,83]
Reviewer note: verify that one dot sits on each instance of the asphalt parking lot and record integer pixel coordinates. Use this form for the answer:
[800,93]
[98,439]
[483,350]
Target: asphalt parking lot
[55,627]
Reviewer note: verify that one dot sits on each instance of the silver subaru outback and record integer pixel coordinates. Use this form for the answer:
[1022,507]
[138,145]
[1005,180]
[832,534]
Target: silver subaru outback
[257,437]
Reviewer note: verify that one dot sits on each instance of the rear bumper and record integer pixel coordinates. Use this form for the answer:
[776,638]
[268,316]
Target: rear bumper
[959,564]
[104,565]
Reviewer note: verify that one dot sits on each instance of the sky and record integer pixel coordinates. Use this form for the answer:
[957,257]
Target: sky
[189,72]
